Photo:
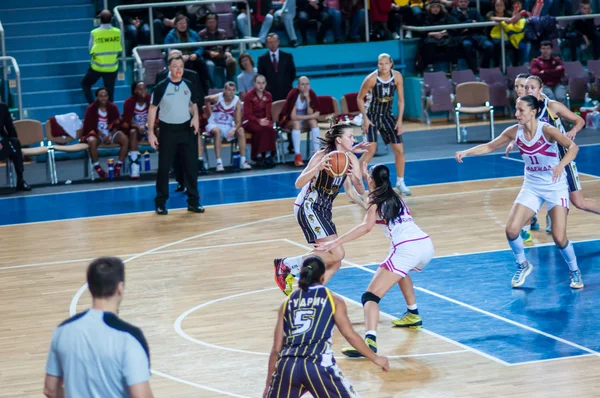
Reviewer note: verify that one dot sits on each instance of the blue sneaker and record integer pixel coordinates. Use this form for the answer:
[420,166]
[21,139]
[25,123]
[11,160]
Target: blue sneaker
[526,236]
[535,225]
[576,281]
[548,224]
[523,271]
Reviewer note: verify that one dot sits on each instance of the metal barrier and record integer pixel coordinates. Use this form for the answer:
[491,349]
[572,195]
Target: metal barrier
[151,17]
[140,65]
[477,25]
[18,74]
[3,54]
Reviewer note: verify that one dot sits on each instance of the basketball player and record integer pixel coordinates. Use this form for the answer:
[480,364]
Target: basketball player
[545,180]
[301,359]
[225,122]
[314,203]
[411,249]
[135,122]
[381,85]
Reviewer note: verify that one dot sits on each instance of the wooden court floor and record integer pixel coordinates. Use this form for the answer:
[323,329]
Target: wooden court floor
[201,289]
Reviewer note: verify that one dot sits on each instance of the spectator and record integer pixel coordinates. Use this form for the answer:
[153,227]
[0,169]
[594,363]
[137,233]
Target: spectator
[472,40]
[225,122]
[499,13]
[262,13]
[379,14]
[105,47]
[217,55]
[583,32]
[135,122]
[278,68]
[286,14]
[440,45]
[551,70]
[192,57]
[514,32]
[312,10]
[258,121]
[301,109]
[333,10]
[246,78]
[164,21]
[10,147]
[137,30]
[353,11]
[94,353]
[101,125]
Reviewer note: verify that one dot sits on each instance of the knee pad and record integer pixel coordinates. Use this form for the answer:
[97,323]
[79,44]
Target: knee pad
[368,296]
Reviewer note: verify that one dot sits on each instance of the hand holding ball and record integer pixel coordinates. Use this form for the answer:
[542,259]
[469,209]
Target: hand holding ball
[339,163]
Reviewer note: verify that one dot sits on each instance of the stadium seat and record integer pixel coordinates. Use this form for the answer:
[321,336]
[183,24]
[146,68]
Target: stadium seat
[436,94]
[473,98]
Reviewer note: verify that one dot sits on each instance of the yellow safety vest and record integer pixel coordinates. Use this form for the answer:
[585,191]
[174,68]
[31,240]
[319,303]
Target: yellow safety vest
[105,49]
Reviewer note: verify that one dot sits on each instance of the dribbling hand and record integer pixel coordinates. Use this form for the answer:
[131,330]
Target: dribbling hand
[382,362]
[460,155]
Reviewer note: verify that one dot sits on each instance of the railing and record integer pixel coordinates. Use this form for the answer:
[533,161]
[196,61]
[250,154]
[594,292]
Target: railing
[18,74]
[151,17]
[3,54]
[478,25]
[140,65]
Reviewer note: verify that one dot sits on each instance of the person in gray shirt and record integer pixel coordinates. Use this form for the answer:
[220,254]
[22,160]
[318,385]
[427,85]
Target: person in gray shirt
[94,353]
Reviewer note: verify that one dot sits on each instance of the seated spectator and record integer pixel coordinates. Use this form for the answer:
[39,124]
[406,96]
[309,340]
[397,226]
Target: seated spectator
[498,14]
[217,55]
[135,122]
[262,13]
[379,14]
[301,110]
[401,13]
[472,41]
[313,10]
[192,57]
[258,121]
[137,29]
[101,125]
[164,21]
[551,70]
[439,46]
[245,79]
[514,33]
[10,147]
[286,15]
[333,9]
[354,13]
[225,122]
[583,32]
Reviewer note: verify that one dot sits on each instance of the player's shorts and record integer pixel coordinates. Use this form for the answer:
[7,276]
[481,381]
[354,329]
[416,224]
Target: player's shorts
[571,171]
[223,128]
[409,255]
[533,197]
[296,376]
[385,124]
[315,221]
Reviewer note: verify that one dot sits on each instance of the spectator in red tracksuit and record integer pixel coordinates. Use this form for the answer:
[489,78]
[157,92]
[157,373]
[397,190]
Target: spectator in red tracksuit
[258,121]
[134,122]
[551,70]
[101,125]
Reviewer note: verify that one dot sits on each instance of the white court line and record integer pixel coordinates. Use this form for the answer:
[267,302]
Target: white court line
[198,386]
[551,359]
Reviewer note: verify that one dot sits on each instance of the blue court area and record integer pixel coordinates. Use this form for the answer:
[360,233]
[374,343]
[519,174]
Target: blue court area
[545,303]
[248,188]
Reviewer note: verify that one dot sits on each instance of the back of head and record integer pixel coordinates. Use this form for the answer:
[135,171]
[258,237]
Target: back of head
[174,54]
[104,275]
[313,268]
[532,103]
[105,16]
[383,196]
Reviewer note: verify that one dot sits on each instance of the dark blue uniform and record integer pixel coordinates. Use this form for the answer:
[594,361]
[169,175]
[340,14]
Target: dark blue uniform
[380,112]
[306,361]
[314,203]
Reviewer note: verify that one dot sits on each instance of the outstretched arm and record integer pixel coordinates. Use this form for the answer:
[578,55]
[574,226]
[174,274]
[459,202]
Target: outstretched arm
[503,139]
[360,230]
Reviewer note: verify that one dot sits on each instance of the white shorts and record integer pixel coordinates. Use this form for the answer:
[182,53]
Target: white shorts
[413,254]
[533,197]
[223,128]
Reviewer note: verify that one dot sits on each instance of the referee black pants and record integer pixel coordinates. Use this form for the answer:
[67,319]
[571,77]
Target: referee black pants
[172,137]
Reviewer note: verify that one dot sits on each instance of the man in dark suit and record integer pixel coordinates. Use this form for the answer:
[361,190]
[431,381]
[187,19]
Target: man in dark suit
[10,147]
[278,67]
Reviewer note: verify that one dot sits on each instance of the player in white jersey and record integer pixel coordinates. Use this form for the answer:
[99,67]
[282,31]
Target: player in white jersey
[545,181]
[411,249]
[225,122]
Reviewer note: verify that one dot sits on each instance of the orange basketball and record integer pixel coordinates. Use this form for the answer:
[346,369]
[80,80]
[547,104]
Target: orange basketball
[339,163]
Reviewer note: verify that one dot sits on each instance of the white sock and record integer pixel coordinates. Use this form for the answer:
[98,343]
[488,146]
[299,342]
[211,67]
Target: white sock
[399,180]
[294,264]
[219,160]
[296,141]
[518,249]
[242,159]
[315,134]
[96,164]
[412,307]
[371,332]
[568,253]
[133,155]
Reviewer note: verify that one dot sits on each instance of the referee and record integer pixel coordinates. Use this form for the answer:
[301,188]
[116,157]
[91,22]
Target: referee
[94,353]
[176,97]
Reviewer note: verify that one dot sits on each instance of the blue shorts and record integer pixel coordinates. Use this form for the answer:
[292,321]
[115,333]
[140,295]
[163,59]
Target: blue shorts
[386,125]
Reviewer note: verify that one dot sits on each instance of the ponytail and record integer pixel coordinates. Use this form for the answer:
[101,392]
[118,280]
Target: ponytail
[389,205]
[533,103]
[335,130]
[312,270]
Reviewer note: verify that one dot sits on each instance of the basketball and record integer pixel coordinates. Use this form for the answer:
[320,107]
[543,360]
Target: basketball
[339,163]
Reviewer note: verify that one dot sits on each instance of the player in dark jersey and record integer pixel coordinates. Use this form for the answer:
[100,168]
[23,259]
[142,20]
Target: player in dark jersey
[314,204]
[381,85]
[301,359]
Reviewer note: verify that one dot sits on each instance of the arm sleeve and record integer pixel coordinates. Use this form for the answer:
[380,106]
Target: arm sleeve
[159,91]
[292,68]
[136,362]
[248,112]
[195,98]
[195,37]
[534,67]
[8,122]
[53,367]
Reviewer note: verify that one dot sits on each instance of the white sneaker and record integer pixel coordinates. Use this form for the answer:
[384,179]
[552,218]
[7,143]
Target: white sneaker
[220,167]
[246,166]
[408,35]
[395,36]
[403,189]
[134,170]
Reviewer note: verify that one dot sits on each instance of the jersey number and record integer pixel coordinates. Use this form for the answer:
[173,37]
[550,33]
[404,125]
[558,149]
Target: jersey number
[337,180]
[303,320]
[534,160]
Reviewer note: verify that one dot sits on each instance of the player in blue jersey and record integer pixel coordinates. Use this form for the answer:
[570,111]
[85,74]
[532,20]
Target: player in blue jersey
[313,206]
[301,359]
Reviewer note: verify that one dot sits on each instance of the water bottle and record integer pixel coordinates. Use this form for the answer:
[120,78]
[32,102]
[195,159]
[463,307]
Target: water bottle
[110,164]
[463,134]
[236,157]
[147,166]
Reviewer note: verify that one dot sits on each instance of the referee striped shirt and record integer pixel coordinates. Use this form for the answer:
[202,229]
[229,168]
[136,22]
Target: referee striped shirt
[174,100]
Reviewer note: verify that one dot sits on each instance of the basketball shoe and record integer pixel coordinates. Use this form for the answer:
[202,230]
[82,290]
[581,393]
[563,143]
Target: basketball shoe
[526,236]
[283,278]
[403,189]
[353,352]
[409,320]
[576,281]
[522,272]
[535,225]
[548,224]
